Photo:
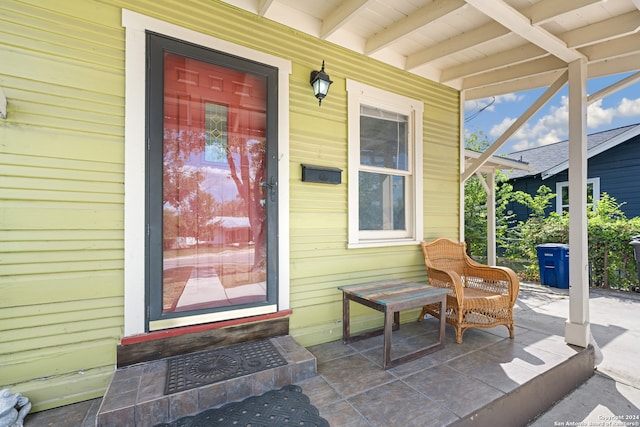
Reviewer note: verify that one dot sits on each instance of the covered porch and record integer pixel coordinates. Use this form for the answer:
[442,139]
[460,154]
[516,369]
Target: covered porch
[491,47]
[487,380]
[487,48]
[469,49]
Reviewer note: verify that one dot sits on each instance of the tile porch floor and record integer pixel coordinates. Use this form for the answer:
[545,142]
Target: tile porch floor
[351,389]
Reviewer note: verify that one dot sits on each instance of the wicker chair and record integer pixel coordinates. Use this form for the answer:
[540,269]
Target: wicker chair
[481,297]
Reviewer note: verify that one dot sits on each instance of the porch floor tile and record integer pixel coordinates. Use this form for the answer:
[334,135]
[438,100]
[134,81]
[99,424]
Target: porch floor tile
[435,390]
[351,389]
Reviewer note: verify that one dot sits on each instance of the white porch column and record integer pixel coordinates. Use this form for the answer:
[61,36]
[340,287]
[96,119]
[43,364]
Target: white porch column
[577,330]
[491,218]
[462,168]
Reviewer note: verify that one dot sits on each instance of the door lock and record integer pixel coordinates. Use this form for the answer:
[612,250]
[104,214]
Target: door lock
[272,187]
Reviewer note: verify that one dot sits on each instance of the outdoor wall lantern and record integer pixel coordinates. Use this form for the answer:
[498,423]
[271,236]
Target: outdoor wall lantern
[320,82]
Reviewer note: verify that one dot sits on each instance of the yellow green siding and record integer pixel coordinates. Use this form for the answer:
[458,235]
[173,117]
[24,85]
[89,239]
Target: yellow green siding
[61,198]
[62,191]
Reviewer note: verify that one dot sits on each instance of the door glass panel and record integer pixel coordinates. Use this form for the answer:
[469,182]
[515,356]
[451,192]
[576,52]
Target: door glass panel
[214,220]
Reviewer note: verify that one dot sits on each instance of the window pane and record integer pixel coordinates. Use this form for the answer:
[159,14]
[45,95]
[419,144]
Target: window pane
[382,202]
[565,195]
[590,192]
[383,138]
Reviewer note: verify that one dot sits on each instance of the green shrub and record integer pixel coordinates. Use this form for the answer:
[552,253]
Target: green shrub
[611,259]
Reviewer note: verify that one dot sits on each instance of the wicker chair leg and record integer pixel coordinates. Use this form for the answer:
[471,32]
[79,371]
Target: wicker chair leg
[422,313]
[457,325]
[459,332]
[511,330]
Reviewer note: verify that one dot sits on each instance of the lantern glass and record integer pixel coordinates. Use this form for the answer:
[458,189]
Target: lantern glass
[320,88]
[320,81]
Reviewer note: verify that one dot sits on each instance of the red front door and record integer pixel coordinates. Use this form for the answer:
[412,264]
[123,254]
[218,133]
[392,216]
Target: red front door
[214,188]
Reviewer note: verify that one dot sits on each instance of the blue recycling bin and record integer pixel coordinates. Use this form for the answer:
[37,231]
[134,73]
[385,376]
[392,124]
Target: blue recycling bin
[553,261]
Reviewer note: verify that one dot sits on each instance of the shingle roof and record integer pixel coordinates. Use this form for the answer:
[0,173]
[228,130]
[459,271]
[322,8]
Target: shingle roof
[546,157]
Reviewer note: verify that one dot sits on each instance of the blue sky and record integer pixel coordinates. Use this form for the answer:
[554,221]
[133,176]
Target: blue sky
[549,125]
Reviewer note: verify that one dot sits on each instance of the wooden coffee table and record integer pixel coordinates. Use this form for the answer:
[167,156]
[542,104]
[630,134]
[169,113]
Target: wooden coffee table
[389,297]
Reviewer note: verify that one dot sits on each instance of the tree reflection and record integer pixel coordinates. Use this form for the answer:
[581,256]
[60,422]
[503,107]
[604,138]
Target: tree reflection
[190,210]
[248,176]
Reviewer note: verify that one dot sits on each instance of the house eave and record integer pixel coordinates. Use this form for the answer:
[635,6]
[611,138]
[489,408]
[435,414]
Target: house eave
[498,162]
[601,148]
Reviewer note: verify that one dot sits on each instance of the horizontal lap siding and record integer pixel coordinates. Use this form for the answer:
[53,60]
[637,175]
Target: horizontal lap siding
[618,169]
[441,167]
[320,260]
[318,135]
[61,191]
[61,199]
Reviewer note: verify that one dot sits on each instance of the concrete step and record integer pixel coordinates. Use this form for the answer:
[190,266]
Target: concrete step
[135,396]
[533,398]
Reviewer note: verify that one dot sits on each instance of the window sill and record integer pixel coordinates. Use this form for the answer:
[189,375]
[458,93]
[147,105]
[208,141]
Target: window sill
[382,243]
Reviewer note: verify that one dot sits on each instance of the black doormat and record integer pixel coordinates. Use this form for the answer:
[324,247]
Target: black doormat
[285,407]
[193,370]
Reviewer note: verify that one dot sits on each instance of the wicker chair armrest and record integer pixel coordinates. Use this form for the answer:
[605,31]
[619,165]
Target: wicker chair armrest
[446,279]
[514,284]
[501,280]
[473,262]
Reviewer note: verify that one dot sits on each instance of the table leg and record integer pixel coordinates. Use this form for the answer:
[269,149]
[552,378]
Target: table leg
[388,327]
[443,317]
[345,319]
[386,357]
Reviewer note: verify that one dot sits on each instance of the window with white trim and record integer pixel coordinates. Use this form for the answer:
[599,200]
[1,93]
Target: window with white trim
[385,167]
[562,194]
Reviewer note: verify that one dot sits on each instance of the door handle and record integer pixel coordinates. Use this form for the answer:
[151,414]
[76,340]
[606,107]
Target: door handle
[272,187]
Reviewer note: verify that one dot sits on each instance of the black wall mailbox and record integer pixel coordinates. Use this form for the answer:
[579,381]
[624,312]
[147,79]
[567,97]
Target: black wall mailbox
[322,174]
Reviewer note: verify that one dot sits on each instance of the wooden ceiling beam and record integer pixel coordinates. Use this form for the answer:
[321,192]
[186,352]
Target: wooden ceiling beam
[341,15]
[623,64]
[263,6]
[523,70]
[518,55]
[511,86]
[608,29]
[509,17]
[411,23]
[612,49]
[602,93]
[621,46]
[546,10]
[456,44]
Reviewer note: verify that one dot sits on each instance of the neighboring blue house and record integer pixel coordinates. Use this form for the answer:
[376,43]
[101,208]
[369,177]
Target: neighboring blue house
[613,167]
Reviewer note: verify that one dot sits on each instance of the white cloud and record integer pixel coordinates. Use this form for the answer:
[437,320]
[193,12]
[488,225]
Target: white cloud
[501,127]
[475,105]
[553,127]
[489,104]
[598,116]
[470,105]
[509,97]
[629,107]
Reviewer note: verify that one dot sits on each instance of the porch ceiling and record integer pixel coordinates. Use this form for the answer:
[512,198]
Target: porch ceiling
[483,47]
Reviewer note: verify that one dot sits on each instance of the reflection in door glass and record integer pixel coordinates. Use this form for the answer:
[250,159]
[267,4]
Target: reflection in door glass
[214,217]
